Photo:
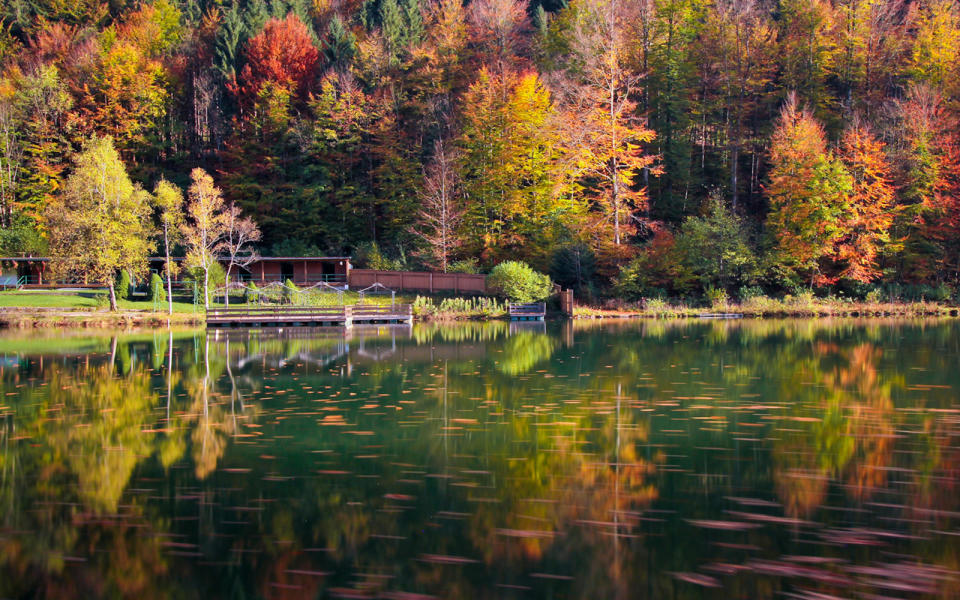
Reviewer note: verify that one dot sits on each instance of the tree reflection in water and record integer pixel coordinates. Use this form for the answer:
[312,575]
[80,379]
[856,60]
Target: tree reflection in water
[478,460]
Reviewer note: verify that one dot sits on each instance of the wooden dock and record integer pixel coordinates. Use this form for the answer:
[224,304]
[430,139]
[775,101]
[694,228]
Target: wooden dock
[533,311]
[308,316]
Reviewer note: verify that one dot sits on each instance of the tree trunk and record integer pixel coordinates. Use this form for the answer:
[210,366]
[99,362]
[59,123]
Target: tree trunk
[206,286]
[226,286]
[734,168]
[166,248]
[113,298]
[169,375]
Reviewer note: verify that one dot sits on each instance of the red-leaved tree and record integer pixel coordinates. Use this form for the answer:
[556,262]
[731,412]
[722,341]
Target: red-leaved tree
[282,54]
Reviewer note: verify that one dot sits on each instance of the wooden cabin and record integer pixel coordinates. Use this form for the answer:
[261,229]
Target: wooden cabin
[25,270]
[33,271]
[302,270]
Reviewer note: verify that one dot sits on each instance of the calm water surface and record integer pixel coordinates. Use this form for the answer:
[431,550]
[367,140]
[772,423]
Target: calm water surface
[641,460]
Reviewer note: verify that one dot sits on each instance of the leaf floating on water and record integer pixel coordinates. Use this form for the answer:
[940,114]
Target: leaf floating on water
[402,497]
[723,525]
[443,559]
[308,572]
[552,576]
[525,533]
[697,579]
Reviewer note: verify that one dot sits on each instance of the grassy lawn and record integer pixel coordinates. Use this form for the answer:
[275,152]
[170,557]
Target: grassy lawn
[95,299]
[85,300]
[47,299]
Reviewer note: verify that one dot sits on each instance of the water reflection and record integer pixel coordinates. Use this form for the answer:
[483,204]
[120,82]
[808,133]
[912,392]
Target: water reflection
[726,459]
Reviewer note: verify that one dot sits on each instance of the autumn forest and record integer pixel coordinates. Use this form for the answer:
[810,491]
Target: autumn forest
[628,147]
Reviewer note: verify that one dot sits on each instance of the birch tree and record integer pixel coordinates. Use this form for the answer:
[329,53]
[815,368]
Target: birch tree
[100,222]
[11,158]
[239,233]
[169,201]
[205,231]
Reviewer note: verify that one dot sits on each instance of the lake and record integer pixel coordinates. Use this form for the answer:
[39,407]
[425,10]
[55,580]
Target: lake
[699,459]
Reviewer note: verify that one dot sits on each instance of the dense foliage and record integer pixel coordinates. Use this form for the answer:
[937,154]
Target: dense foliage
[516,281]
[817,138]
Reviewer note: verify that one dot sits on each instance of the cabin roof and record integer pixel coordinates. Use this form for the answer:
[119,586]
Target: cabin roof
[263,258]
[309,258]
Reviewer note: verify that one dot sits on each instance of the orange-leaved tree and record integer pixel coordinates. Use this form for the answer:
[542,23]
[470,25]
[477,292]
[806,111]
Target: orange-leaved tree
[808,191]
[871,205]
[610,149]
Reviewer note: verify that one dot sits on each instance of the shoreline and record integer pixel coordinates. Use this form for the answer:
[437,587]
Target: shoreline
[46,318]
[904,311]
[21,318]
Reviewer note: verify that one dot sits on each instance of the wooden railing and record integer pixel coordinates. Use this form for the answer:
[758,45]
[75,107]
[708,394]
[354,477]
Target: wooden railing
[284,311]
[287,313]
[373,310]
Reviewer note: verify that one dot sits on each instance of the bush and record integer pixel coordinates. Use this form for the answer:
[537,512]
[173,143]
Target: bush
[874,296]
[750,292]
[252,293]
[217,278]
[716,297]
[291,292]
[942,293]
[369,256]
[518,282]
[468,265]
[123,285]
[423,306]
[158,293]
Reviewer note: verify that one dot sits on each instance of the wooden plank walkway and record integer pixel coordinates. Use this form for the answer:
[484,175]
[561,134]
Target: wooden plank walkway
[308,316]
[533,311]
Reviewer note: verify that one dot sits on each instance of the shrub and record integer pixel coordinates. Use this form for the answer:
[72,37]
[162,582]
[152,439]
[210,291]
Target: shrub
[369,256]
[123,285]
[749,292]
[874,296]
[467,265]
[518,282]
[716,297]
[291,292]
[158,293]
[656,306]
[942,293]
[252,293]
[423,306]
[217,278]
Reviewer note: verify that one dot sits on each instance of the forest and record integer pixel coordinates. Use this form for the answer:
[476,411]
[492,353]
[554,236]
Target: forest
[633,148]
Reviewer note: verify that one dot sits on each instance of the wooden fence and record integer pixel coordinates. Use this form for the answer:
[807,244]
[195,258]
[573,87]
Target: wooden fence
[421,281]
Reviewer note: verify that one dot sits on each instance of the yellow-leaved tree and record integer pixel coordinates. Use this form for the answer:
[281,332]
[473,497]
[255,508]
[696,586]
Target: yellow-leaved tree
[205,232]
[608,135]
[100,222]
[169,201]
